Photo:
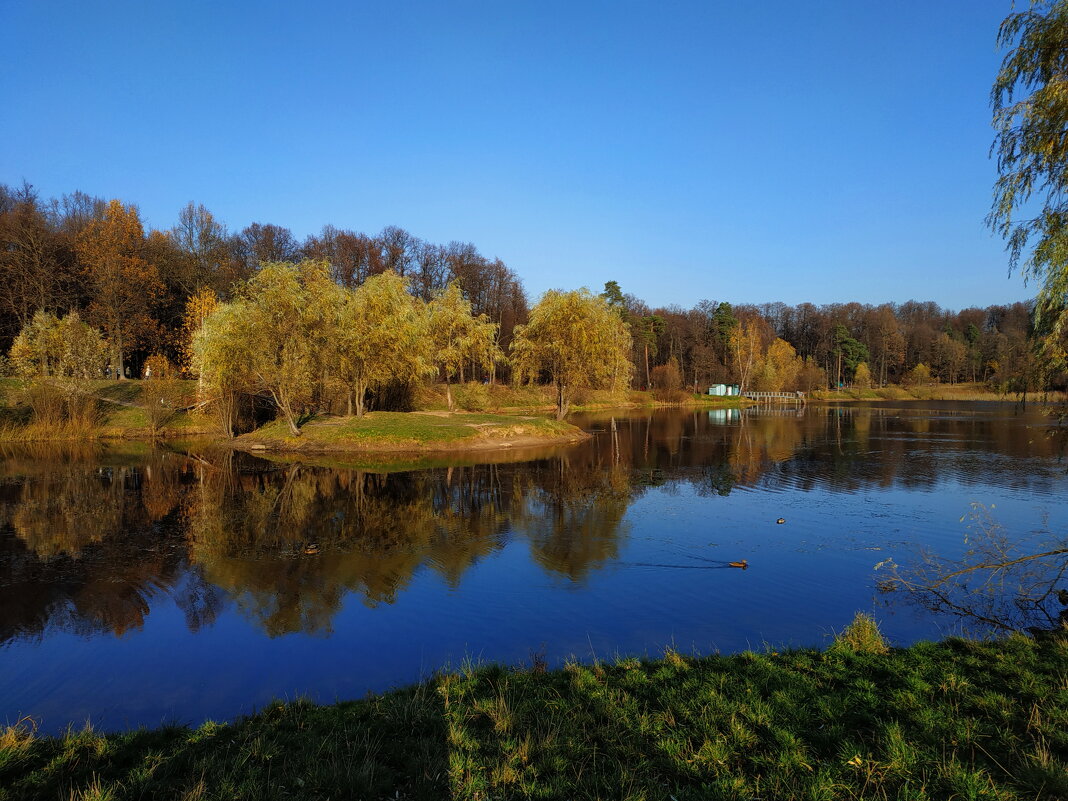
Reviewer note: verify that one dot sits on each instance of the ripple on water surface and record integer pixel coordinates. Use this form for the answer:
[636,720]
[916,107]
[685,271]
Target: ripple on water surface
[141,587]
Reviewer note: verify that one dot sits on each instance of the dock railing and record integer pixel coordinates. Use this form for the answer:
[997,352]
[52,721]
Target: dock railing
[776,397]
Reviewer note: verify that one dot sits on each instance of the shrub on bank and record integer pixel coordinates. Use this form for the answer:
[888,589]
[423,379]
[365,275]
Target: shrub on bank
[61,404]
[472,397]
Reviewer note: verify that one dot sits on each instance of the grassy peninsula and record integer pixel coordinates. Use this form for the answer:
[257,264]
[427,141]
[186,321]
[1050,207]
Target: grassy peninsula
[957,719]
[385,432]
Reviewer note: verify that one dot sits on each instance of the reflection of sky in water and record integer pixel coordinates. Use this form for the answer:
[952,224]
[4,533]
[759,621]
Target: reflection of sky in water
[855,487]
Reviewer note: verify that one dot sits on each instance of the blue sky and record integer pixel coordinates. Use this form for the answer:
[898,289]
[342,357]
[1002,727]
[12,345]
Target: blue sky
[750,152]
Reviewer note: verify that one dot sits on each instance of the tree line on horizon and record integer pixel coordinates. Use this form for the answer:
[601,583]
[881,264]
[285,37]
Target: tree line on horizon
[141,290]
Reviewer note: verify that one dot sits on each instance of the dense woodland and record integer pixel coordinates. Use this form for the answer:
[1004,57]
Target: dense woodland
[138,288]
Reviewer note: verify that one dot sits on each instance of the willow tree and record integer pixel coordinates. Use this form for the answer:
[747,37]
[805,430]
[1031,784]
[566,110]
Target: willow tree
[578,340]
[458,338]
[1030,207]
[267,341]
[220,359]
[381,337]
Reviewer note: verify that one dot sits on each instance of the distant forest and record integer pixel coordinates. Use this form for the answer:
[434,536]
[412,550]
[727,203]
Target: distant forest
[46,263]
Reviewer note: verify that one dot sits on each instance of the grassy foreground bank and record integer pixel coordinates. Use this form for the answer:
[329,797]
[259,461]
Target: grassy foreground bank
[958,719]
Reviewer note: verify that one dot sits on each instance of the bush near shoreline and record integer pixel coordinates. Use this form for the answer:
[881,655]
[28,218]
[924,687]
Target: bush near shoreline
[957,719]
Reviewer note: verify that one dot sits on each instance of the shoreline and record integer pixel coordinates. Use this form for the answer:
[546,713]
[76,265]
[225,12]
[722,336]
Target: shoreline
[505,428]
[854,719]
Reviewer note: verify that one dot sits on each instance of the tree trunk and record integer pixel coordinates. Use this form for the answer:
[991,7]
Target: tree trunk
[121,372]
[226,412]
[448,393]
[360,392]
[287,412]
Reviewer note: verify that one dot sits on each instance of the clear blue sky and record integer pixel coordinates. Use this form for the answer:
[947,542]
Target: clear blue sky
[743,151]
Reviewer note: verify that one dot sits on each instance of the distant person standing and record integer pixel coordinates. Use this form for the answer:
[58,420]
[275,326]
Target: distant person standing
[107,372]
[148,372]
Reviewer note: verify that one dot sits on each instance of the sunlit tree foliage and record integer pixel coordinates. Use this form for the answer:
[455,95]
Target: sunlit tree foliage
[52,347]
[458,338]
[1030,208]
[382,337]
[578,340]
[122,283]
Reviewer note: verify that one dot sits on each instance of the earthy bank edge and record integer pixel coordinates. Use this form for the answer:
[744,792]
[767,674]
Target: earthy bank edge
[407,432]
[957,719]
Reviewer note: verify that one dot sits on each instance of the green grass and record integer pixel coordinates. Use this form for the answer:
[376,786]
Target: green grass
[400,431]
[959,719]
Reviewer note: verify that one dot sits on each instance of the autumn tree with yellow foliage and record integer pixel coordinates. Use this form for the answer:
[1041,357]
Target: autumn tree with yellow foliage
[121,282]
[198,308]
[578,340]
[382,336]
[458,338]
[779,368]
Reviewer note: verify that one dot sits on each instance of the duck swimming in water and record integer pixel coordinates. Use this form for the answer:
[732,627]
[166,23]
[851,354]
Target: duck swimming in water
[311,549]
[744,565]
[781,520]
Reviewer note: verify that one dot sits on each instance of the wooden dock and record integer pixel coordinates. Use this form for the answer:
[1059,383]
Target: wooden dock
[776,397]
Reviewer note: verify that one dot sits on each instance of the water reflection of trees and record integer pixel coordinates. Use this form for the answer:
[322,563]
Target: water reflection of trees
[87,545]
[289,544]
[91,539]
[840,449]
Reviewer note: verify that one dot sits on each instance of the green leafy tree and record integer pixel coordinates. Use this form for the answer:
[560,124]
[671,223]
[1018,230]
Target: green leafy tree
[614,295]
[849,351]
[458,338]
[722,323]
[578,340]
[381,337]
[648,331]
[1030,206]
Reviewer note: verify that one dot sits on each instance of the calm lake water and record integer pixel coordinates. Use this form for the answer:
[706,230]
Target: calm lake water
[140,586]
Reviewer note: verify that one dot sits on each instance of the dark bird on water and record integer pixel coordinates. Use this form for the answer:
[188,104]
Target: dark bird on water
[781,520]
[311,549]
